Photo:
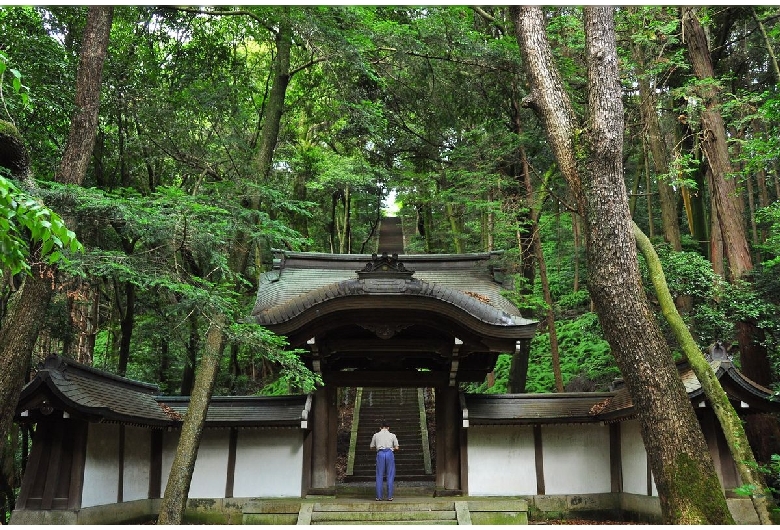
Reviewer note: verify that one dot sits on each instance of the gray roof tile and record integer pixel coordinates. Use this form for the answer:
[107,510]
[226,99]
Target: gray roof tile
[305,279]
[99,395]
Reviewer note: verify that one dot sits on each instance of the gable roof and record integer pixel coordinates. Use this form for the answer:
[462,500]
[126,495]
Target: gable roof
[66,386]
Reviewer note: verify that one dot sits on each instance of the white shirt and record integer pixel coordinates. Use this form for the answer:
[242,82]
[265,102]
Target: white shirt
[384,439]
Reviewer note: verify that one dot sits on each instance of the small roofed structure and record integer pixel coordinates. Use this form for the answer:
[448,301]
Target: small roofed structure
[101,439]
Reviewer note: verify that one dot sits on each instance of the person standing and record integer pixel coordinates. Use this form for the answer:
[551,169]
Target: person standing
[385,443]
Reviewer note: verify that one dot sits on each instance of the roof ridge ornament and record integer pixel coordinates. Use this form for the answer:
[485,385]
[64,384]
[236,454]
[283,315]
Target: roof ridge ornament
[384,266]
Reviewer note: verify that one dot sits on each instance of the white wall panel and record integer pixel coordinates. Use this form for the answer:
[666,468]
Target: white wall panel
[576,459]
[501,460]
[634,458]
[269,463]
[101,469]
[210,474]
[135,481]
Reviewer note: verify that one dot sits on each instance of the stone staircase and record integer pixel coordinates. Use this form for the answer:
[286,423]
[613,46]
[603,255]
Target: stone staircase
[417,511]
[404,409]
[391,237]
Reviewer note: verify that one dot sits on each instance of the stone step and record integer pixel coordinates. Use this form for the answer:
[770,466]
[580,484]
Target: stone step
[452,522]
[377,512]
[420,511]
[379,517]
[407,476]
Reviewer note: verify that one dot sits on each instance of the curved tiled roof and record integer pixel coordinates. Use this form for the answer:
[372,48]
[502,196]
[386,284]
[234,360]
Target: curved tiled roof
[471,305]
[85,390]
[467,283]
[95,395]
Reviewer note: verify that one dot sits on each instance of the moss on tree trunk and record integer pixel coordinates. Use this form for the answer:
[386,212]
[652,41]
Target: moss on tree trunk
[730,422]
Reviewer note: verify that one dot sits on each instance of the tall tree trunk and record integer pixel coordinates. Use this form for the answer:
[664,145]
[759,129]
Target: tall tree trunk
[716,236]
[17,340]
[126,325]
[176,491]
[713,143]
[275,107]
[660,155]
[575,228]
[556,362]
[753,354]
[20,330]
[193,344]
[688,486]
[83,125]
[769,48]
[269,134]
[455,227]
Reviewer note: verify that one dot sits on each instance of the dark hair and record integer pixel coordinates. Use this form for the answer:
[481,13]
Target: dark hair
[385,424]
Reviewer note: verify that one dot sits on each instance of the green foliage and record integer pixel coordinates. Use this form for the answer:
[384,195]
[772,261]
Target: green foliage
[772,475]
[24,219]
[16,84]
[687,274]
[265,344]
[582,351]
[769,218]
[575,300]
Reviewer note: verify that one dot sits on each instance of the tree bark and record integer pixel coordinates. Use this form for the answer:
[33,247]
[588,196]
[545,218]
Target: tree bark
[17,339]
[83,125]
[269,134]
[556,361]
[688,486]
[753,354]
[22,324]
[713,143]
[176,491]
[655,140]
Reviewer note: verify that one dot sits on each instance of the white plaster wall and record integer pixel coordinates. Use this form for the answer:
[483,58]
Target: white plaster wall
[501,460]
[633,457]
[576,459]
[135,480]
[210,474]
[170,441]
[101,469]
[269,463]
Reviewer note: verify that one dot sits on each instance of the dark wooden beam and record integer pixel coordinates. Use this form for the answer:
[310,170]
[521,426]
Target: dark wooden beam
[386,379]
[539,458]
[385,345]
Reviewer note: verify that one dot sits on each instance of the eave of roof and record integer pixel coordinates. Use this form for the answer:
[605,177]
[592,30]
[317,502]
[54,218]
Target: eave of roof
[302,284]
[520,409]
[247,411]
[87,391]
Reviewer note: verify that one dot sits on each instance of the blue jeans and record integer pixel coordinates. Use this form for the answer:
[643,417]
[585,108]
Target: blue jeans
[385,465]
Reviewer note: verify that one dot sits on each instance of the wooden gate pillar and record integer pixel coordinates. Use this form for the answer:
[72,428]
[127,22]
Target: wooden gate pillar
[448,440]
[323,450]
